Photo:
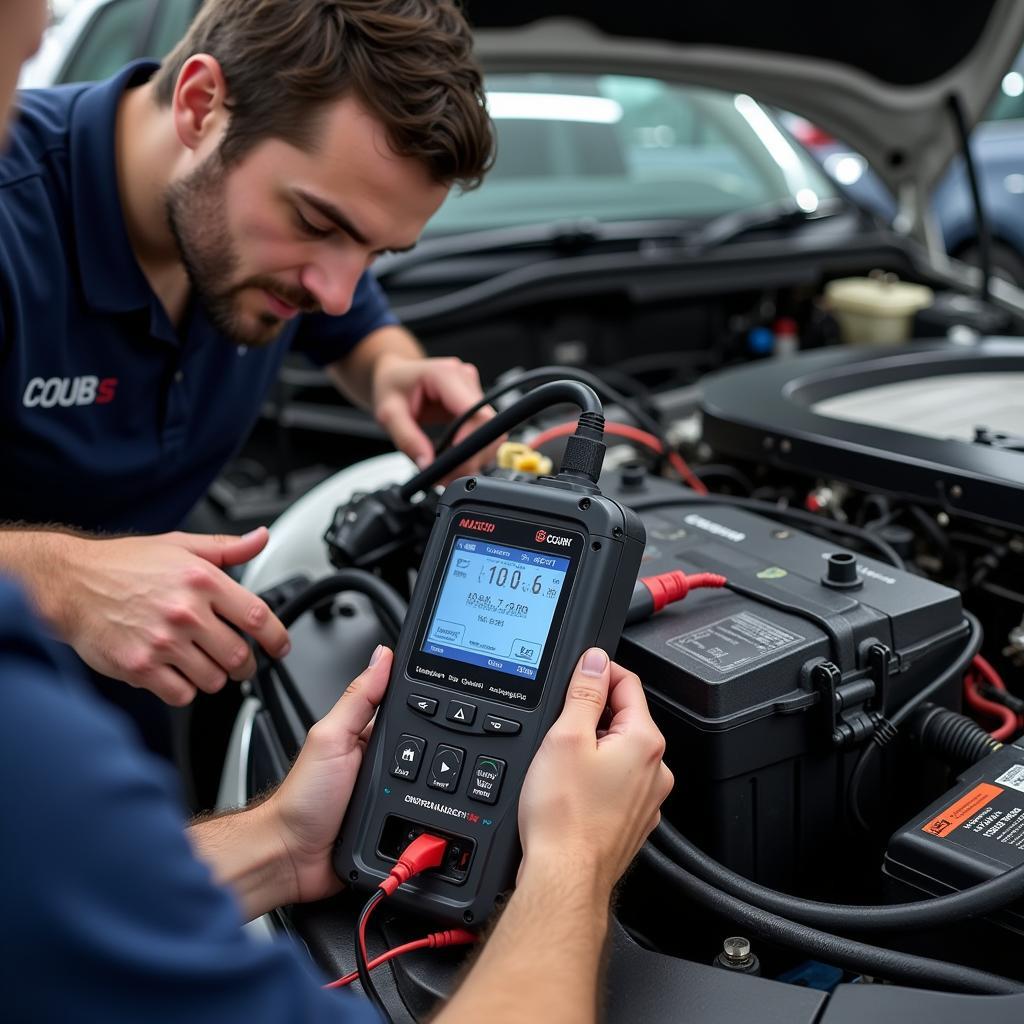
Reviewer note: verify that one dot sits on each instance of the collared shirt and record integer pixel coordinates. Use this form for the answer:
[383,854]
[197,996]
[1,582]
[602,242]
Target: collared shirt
[109,915]
[110,418]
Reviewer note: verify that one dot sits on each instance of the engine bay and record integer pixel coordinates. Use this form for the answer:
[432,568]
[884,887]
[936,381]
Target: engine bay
[840,719]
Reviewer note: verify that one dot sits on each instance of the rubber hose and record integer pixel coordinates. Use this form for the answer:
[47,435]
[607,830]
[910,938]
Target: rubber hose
[854,956]
[952,737]
[984,898]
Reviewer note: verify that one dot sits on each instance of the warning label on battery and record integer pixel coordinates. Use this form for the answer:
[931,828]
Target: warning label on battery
[728,644]
[986,815]
[954,816]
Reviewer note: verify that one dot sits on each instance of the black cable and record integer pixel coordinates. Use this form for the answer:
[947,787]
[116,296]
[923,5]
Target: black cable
[302,708]
[391,611]
[547,373]
[570,392]
[928,525]
[269,696]
[369,988]
[976,901]
[820,945]
[387,602]
[792,515]
[963,660]
[953,671]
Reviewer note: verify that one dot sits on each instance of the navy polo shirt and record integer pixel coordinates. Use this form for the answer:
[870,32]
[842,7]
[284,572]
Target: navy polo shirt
[110,418]
[108,915]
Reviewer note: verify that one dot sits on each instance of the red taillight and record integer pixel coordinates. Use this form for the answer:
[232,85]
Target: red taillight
[809,134]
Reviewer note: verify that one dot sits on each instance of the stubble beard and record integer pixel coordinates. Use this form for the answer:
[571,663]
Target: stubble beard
[195,209]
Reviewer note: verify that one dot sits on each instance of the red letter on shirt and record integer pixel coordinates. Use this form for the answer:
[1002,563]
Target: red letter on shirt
[106,390]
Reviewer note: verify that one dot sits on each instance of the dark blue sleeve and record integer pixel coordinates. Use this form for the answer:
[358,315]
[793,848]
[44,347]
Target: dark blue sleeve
[325,339]
[107,914]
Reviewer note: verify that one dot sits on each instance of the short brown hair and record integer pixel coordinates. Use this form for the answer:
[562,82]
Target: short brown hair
[409,62]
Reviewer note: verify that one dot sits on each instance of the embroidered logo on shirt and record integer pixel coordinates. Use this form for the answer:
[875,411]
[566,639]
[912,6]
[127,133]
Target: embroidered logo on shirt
[68,391]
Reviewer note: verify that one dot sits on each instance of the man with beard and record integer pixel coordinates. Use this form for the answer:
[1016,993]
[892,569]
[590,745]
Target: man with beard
[114,915]
[165,238]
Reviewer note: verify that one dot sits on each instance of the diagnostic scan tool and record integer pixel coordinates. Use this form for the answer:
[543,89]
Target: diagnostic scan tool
[518,579]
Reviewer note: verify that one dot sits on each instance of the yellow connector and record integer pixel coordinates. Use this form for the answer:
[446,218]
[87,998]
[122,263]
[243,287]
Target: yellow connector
[521,458]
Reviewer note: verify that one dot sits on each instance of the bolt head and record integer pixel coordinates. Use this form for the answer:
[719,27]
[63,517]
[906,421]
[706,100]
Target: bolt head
[736,947]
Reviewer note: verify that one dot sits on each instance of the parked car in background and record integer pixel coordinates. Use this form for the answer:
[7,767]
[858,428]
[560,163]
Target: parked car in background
[91,39]
[997,147]
[648,224]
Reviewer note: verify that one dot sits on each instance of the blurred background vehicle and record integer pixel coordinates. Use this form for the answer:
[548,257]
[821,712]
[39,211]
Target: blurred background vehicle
[641,226]
[90,39]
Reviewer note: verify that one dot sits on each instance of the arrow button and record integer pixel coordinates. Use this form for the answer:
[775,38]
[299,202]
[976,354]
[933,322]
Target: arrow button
[459,712]
[446,768]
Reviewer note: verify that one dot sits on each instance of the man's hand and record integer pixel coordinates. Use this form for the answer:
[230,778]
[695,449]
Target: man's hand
[590,799]
[308,806]
[410,392]
[592,794]
[155,611]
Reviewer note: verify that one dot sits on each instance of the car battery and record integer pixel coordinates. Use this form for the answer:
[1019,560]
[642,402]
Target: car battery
[973,833]
[767,690]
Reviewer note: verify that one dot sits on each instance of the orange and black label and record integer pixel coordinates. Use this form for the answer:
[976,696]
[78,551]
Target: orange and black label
[963,810]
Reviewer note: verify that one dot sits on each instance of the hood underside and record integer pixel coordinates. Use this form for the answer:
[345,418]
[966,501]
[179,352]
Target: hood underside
[880,76]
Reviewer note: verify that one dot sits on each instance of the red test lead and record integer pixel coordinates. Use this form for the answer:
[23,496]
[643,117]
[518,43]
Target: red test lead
[652,593]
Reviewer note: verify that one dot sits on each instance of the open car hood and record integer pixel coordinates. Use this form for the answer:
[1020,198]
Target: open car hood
[882,76]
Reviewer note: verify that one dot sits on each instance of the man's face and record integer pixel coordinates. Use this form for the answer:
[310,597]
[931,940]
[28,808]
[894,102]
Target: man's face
[21,30]
[284,231]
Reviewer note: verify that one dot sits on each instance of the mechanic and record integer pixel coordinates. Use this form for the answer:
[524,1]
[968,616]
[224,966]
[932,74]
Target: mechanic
[165,238]
[116,916]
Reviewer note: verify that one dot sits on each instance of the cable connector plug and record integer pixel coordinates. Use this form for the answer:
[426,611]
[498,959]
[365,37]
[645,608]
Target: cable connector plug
[652,593]
[423,853]
[451,937]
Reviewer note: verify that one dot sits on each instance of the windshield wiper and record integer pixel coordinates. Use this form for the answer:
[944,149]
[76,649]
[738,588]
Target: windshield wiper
[565,237]
[730,226]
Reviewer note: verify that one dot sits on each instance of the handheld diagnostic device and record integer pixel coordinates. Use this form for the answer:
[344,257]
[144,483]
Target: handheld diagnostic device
[518,579]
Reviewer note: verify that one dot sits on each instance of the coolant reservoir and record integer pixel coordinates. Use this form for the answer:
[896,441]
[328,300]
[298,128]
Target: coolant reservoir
[875,310]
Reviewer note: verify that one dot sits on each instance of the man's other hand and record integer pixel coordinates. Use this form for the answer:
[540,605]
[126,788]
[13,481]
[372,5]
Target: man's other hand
[308,806]
[593,792]
[157,612]
[409,393]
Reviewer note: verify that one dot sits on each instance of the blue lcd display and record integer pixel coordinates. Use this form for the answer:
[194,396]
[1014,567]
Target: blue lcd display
[495,606]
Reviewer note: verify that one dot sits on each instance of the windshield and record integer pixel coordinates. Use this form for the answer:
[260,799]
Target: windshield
[616,147]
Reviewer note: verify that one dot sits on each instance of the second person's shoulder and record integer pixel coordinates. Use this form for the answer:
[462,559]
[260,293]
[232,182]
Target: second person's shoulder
[38,132]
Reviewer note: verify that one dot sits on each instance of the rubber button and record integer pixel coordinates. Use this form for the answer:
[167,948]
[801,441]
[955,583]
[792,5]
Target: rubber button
[408,757]
[501,726]
[422,705]
[446,768]
[461,713]
[485,785]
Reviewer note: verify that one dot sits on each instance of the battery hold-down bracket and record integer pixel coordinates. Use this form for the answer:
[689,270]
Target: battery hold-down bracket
[854,705]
